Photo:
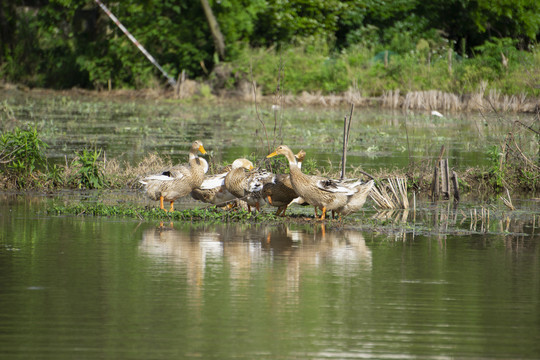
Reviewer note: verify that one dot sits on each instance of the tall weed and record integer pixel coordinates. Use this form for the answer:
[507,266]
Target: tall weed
[90,173]
[22,152]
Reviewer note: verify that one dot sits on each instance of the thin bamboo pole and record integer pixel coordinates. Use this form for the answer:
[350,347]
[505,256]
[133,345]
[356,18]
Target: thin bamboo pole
[171,80]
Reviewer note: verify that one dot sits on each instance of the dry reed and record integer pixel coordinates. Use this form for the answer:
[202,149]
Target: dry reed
[508,201]
[480,100]
[391,195]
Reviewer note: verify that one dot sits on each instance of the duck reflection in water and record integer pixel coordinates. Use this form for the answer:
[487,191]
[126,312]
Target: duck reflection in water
[246,249]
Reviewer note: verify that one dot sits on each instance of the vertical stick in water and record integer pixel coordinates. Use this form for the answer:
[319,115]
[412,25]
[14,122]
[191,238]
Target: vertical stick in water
[344,154]
[172,82]
[346,131]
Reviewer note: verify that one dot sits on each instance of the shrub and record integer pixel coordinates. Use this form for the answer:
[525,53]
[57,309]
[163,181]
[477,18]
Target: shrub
[90,174]
[22,152]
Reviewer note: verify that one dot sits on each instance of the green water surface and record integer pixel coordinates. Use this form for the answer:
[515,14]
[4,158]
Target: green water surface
[111,288]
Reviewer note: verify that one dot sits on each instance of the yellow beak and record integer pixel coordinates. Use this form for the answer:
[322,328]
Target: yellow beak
[250,167]
[271,155]
[201,149]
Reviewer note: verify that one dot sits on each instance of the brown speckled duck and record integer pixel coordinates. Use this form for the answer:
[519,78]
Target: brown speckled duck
[179,180]
[247,186]
[280,192]
[357,200]
[213,191]
[320,192]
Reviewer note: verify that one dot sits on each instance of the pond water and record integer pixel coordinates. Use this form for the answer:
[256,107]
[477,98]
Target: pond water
[94,288]
[131,129]
[439,282]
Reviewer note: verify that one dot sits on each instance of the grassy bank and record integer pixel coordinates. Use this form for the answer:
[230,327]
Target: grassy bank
[429,77]
[24,166]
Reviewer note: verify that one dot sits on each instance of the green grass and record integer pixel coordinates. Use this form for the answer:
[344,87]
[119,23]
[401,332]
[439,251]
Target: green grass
[321,70]
[211,214]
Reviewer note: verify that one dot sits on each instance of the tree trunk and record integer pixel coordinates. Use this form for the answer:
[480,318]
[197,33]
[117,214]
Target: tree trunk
[219,42]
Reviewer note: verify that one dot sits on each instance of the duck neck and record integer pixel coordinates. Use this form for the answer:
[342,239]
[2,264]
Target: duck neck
[195,162]
[295,169]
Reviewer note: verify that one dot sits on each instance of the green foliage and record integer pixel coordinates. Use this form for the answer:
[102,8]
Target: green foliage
[211,214]
[308,67]
[22,152]
[66,43]
[513,18]
[291,22]
[55,175]
[90,174]
[497,167]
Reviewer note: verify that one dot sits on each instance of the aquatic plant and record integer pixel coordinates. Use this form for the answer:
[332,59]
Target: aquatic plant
[55,175]
[496,169]
[210,214]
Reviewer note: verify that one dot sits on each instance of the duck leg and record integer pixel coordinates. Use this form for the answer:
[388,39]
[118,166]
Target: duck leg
[161,203]
[270,200]
[172,206]
[323,215]
[281,210]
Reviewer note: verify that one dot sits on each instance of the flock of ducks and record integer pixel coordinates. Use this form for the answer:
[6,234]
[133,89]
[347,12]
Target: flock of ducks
[241,181]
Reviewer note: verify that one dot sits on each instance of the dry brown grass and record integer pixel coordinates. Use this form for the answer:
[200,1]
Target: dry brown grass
[480,100]
[431,100]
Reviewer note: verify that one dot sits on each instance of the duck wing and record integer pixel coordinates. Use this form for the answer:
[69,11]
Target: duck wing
[257,178]
[347,187]
[214,181]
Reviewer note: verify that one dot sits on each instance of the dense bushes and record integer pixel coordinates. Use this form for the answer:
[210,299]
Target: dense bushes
[316,68]
[66,43]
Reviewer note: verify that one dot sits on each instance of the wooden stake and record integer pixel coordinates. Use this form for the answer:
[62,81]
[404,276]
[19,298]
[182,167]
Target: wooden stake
[435,184]
[344,154]
[346,131]
[445,171]
[455,186]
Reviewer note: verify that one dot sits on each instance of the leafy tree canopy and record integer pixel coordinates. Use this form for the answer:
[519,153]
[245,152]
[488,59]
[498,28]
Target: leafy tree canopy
[66,43]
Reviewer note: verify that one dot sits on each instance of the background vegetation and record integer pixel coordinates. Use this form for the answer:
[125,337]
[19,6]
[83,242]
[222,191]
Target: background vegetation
[328,46]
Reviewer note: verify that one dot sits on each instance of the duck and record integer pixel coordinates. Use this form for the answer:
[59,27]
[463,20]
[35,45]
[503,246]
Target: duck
[279,192]
[323,193]
[213,191]
[247,186]
[357,200]
[179,180]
